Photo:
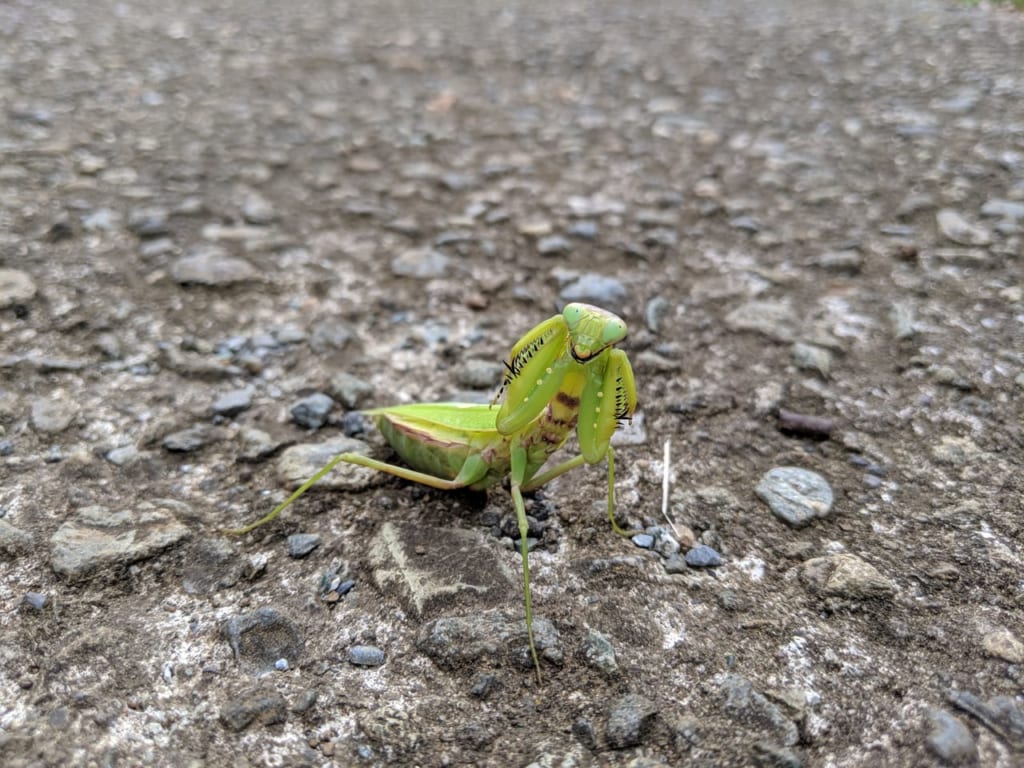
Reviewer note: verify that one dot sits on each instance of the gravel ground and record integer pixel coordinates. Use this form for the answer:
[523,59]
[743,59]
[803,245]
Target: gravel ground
[225,227]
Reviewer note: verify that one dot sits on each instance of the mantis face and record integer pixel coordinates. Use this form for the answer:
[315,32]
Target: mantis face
[592,330]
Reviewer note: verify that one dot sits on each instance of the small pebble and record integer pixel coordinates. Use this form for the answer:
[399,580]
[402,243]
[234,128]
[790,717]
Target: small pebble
[703,556]
[553,245]
[349,390]
[629,717]
[16,287]
[301,544]
[676,564]
[585,230]
[420,264]
[644,540]
[950,739]
[597,650]
[187,440]
[365,656]
[148,222]
[34,600]
[213,266]
[795,495]
[234,402]
[596,289]
[281,665]
[311,412]
[122,455]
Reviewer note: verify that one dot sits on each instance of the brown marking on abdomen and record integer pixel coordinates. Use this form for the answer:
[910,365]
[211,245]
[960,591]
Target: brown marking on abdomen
[568,401]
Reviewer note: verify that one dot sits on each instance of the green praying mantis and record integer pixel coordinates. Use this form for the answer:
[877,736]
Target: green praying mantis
[564,374]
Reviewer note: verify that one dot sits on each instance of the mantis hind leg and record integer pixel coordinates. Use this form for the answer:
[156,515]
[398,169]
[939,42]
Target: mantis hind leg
[473,470]
[577,461]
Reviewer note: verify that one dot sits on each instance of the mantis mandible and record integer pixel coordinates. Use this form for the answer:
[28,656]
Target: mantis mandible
[564,374]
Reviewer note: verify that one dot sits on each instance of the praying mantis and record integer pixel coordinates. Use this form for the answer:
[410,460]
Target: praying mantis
[564,374]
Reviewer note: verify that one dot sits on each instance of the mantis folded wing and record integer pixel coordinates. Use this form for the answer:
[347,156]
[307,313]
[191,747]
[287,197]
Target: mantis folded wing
[562,375]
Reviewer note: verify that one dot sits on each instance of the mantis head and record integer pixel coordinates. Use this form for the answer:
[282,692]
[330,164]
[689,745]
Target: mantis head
[592,330]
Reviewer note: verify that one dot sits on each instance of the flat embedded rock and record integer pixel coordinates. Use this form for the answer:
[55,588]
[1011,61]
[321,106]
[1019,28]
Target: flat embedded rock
[300,462]
[846,576]
[99,538]
[213,267]
[455,641]
[423,566]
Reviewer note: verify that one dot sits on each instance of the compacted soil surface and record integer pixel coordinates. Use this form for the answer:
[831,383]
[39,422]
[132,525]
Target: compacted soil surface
[228,227]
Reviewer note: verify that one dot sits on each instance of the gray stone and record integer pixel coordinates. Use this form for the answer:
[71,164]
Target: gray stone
[260,638]
[846,576]
[1003,644]
[913,204]
[13,541]
[301,544]
[97,538]
[257,210]
[16,287]
[458,641]
[956,228]
[607,292]
[330,334]
[553,245]
[796,496]
[211,266]
[597,651]
[100,220]
[256,706]
[630,717]
[349,390]
[849,261]
[311,412]
[52,415]
[813,358]
[123,455]
[35,601]
[234,402]
[187,440]
[643,540]
[703,556]
[1004,715]
[950,739]
[1005,209]
[300,462]
[365,656]
[774,319]
[256,444]
[420,263]
[585,230]
[148,222]
[756,712]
